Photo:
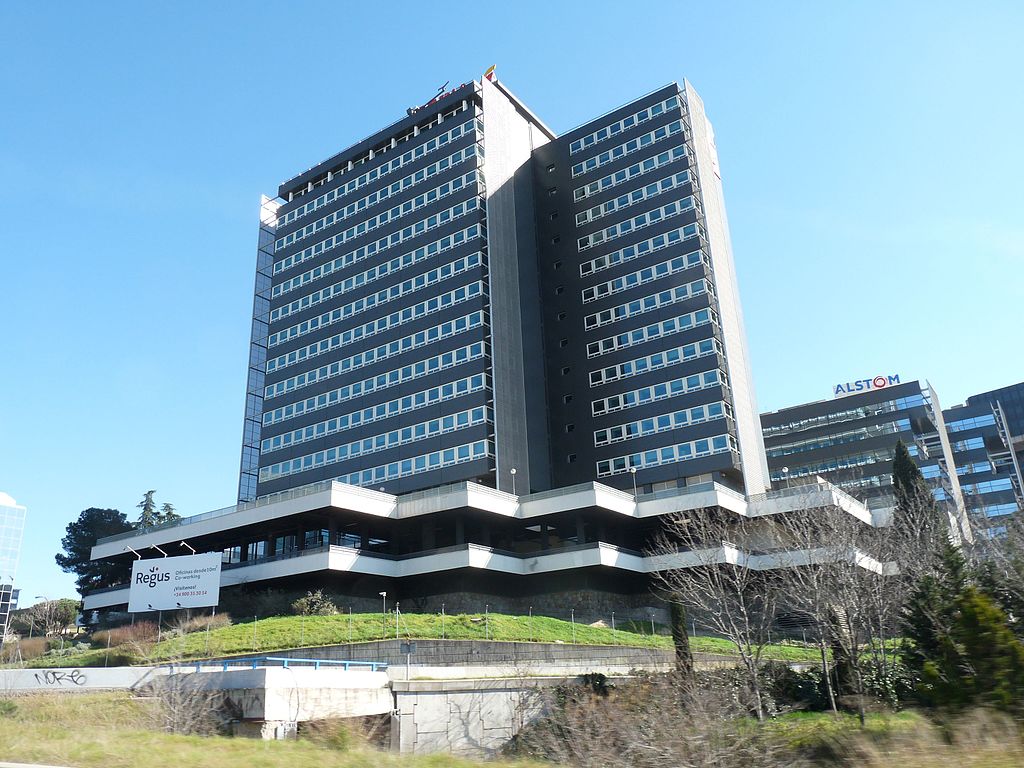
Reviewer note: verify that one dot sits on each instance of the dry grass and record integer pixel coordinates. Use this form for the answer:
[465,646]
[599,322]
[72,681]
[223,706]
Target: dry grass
[109,730]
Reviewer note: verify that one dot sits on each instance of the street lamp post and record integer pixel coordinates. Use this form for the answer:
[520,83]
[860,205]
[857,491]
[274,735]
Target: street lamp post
[383,615]
[632,472]
[513,473]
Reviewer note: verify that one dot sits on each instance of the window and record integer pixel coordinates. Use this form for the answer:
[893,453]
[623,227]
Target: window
[557,265]
[551,168]
[560,290]
[556,240]
[553,215]
[571,458]
[552,191]
[561,315]
[414,341]
[563,343]
[566,399]
[382,270]
[565,370]
[570,428]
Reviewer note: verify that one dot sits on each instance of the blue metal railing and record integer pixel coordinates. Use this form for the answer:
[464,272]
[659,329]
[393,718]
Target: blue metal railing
[284,661]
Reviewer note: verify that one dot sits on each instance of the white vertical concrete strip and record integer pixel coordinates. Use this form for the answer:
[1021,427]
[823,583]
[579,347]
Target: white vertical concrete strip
[748,426]
[508,142]
[959,521]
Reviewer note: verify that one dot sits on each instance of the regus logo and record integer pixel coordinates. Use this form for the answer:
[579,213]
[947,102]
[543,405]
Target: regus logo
[864,385]
[152,578]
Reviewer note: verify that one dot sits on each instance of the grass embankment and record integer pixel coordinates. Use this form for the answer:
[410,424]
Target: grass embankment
[281,632]
[112,730]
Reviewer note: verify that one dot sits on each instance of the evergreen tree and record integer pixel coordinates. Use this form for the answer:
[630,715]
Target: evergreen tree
[168,513]
[909,485]
[680,639]
[149,516]
[79,539]
[962,649]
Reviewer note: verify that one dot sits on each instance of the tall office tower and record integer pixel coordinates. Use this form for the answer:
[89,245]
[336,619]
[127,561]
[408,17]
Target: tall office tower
[487,361]
[387,346]
[987,437]
[12,527]
[850,440]
[647,372]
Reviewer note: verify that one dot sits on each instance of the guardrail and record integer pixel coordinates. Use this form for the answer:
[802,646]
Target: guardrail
[265,661]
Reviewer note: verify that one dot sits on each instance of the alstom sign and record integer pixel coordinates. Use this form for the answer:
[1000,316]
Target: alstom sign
[864,385]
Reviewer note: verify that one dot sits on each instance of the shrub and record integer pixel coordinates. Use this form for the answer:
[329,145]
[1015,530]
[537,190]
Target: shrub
[203,623]
[32,647]
[7,708]
[139,632]
[314,604]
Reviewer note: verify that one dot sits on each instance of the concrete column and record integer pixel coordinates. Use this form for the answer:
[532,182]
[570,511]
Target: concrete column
[581,535]
[460,530]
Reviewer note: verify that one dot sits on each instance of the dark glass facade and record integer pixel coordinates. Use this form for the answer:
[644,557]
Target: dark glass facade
[851,440]
[465,296]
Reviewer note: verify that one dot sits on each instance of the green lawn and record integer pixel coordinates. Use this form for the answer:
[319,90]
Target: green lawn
[280,632]
[112,730]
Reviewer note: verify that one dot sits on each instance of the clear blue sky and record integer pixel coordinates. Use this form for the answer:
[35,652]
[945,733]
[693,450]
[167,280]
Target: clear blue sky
[872,158]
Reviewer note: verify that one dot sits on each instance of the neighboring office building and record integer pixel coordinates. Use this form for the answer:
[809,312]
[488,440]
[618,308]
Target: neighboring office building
[487,359]
[850,440]
[987,437]
[12,527]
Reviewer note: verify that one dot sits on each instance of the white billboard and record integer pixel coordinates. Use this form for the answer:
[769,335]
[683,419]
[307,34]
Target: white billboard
[168,583]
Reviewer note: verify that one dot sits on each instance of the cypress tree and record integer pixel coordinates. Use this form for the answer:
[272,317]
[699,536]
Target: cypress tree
[681,640]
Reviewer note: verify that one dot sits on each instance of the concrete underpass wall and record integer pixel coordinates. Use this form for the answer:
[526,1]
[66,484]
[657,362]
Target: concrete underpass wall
[475,717]
[495,653]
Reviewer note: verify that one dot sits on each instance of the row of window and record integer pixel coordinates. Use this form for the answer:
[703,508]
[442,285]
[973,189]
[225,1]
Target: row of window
[359,306]
[424,225]
[883,455]
[396,437]
[380,195]
[646,304]
[638,195]
[650,363]
[645,275]
[393,214]
[400,405]
[671,454]
[970,444]
[661,423]
[850,436]
[630,252]
[630,172]
[628,148]
[988,486]
[654,331]
[382,170]
[374,476]
[860,412]
[637,118]
[975,468]
[388,294]
[639,221]
[962,425]
[365,331]
[655,392]
[409,206]
[377,383]
[370,356]
[375,273]
[995,510]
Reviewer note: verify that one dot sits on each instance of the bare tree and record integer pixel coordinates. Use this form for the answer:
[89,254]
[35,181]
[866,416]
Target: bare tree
[706,569]
[661,720]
